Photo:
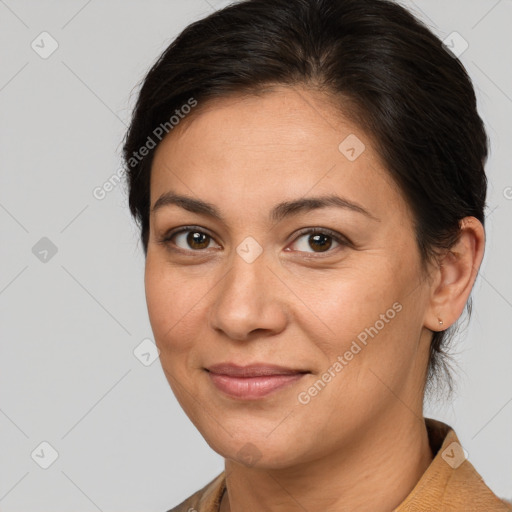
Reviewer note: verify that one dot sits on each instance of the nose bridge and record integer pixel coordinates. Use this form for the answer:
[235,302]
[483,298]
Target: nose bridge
[248,266]
[244,283]
[246,300]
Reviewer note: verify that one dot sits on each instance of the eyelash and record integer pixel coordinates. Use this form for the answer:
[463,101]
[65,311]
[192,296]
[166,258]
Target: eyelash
[341,240]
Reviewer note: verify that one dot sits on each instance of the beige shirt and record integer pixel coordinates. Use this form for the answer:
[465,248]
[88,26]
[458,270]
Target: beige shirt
[450,483]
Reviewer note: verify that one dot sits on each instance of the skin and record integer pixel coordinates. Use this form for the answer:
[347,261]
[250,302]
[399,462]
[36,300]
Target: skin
[360,443]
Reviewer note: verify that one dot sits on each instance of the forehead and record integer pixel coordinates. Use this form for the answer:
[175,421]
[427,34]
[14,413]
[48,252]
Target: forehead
[286,142]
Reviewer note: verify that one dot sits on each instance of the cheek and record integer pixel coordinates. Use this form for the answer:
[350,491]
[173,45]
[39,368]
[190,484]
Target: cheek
[158,301]
[344,303]
[167,302]
[176,303]
[368,316]
[174,308]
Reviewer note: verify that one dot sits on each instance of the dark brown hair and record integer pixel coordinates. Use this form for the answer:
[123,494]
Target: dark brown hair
[390,74]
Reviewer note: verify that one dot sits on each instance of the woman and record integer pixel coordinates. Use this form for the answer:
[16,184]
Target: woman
[308,177]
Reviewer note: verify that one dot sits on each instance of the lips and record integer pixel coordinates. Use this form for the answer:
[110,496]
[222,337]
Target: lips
[254,381]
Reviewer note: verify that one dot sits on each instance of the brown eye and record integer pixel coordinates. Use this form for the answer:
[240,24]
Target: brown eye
[189,239]
[197,240]
[318,241]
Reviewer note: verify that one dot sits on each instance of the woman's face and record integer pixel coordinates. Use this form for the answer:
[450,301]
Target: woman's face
[340,310]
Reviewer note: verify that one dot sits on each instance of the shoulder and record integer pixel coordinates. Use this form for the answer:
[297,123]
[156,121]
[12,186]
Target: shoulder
[450,483]
[206,499]
[467,487]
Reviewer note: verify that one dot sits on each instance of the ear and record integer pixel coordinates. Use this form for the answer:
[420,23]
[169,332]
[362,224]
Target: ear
[455,276]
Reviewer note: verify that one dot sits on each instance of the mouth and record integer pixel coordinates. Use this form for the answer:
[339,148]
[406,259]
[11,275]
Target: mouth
[254,381]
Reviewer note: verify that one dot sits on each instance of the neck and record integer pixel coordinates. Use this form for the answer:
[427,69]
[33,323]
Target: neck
[375,473]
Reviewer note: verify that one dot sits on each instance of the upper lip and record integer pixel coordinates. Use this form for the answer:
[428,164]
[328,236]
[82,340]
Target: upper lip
[252,370]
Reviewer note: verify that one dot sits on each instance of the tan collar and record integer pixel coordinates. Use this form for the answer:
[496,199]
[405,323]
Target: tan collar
[450,483]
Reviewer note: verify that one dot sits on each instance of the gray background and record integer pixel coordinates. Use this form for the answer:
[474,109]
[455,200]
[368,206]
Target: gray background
[70,322]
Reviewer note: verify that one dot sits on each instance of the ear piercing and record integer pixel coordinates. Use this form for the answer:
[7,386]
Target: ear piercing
[440,322]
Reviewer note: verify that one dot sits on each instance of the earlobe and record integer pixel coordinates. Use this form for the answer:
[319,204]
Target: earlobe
[456,274]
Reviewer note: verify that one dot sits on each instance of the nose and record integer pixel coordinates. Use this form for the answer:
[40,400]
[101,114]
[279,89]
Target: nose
[249,302]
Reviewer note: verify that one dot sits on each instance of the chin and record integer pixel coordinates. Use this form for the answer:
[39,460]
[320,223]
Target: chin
[256,451]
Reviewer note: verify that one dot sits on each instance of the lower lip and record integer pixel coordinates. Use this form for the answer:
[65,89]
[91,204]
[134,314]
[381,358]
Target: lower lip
[252,388]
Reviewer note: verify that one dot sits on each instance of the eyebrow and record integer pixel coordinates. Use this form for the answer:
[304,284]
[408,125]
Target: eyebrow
[278,213]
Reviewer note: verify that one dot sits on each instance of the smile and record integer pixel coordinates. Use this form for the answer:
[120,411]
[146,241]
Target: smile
[252,382]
